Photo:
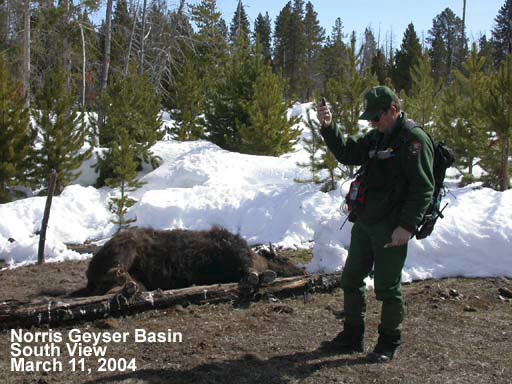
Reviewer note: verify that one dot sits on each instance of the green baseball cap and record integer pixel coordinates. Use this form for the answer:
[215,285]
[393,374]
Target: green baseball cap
[376,100]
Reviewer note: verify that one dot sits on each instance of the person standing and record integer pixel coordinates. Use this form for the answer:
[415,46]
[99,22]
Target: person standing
[398,183]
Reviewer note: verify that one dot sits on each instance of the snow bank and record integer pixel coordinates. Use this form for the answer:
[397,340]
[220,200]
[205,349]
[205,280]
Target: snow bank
[199,185]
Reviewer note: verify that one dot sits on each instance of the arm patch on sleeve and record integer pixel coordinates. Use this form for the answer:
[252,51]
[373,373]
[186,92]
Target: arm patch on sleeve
[415,147]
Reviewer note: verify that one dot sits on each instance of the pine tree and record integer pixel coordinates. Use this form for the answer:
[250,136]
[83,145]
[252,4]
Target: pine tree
[130,103]
[486,50]
[298,51]
[239,28]
[46,40]
[390,62]
[122,25]
[334,53]
[320,158]
[379,67]
[55,39]
[85,79]
[420,103]
[211,56]
[406,58]
[438,54]
[188,103]
[124,176]
[107,44]
[330,163]
[268,132]
[314,36]
[262,35]
[498,107]
[290,45]
[6,14]
[448,45]
[282,40]
[227,110]
[368,51]
[168,35]
[345,92]
[11,34]
[16,135]
[62,131]
[183,79]
[502,33]
[461,114]
[211,37]
[314,146]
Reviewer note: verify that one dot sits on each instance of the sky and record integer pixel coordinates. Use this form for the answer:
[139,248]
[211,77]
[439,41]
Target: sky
[389,15]
[199,185]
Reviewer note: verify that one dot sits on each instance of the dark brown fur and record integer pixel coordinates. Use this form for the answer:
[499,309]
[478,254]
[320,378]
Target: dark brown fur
[170,259]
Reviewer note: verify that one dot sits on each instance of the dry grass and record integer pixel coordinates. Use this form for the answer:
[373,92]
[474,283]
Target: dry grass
[457,331]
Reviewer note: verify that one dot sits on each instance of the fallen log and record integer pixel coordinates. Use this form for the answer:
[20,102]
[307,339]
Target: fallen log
[68,311]
[83,248]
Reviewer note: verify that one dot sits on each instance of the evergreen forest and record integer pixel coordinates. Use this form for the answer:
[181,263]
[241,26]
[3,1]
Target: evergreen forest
[66,82]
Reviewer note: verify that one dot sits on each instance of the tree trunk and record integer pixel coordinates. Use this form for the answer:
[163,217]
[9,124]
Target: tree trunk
[66,60]
[26,52]
[464,25]
[106,50]
[6,21]
[142,38]
[69,311]
[505,174]
[104,76]
[83,67]
[130,45]
[46,217]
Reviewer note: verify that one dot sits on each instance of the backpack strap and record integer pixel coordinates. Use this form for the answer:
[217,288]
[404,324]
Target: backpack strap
[408,126]
[411,124]
[404,135]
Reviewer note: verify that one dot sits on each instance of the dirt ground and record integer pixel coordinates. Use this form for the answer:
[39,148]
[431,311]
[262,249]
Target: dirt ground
[456,331]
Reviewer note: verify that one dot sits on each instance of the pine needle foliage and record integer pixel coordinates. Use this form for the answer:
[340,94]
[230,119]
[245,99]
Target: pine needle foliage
[461,120]
[498,105]
[227,109]
[124,170]
[16,136]
[130,104]
[314,146]
[345,92]
[502,33]
[188,105]
[62,132]
[320,158]
[269,131]
[405,59]
[420,103]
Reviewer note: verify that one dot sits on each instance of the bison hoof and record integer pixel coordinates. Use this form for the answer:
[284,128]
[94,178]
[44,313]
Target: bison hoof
[253,278]
[130,288]
[267,276]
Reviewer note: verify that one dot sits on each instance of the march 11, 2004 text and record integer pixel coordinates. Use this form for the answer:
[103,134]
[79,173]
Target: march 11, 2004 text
[77,350]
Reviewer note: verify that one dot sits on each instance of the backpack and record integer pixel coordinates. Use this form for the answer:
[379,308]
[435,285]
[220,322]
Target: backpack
[443,159]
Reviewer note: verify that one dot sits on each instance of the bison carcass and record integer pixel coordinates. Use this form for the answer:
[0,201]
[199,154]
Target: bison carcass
[171,259]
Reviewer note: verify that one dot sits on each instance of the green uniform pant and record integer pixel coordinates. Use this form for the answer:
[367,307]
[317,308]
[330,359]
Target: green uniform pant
[366,252]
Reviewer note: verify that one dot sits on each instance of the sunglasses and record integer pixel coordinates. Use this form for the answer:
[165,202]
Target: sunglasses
[376,120]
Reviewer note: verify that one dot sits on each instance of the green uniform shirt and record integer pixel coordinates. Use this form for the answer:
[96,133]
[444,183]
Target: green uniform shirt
[399,188]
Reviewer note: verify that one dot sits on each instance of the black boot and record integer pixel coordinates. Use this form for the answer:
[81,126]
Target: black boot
[385,349]
[350,340]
